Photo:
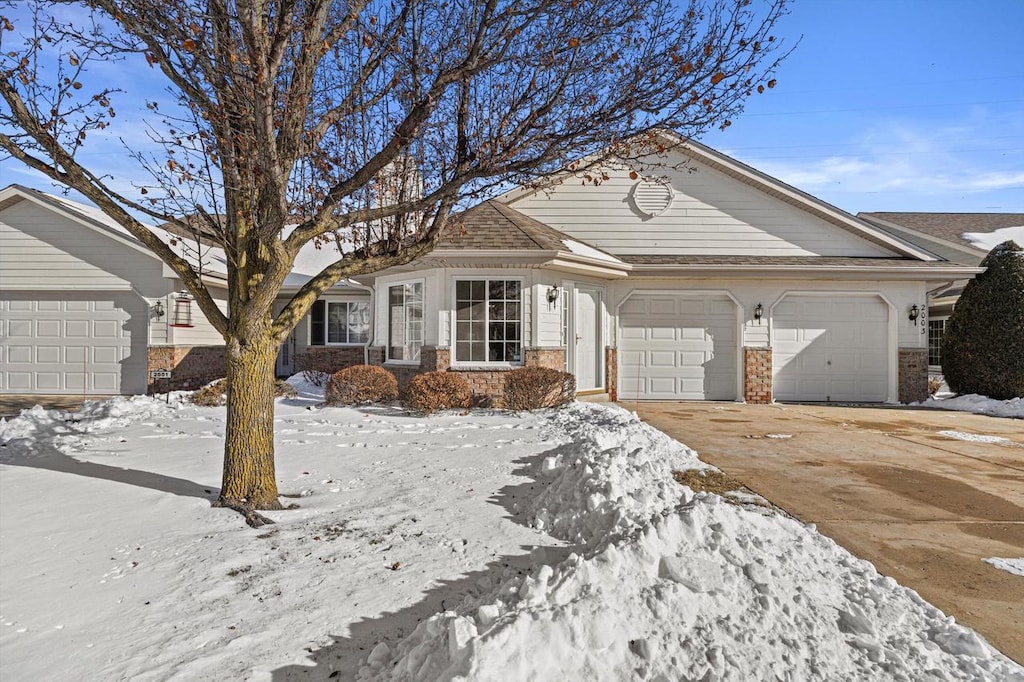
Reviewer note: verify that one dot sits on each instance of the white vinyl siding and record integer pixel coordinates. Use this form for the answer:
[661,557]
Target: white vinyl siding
[831,348]
[711,213]
[676,346]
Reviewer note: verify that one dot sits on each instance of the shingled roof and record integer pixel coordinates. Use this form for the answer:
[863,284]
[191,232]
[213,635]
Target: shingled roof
[494,226]
[781,261]
[948,226]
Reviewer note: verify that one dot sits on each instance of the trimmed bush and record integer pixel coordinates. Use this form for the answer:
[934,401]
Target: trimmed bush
[433,391]
[315,368]
[216,393]
[534,388]
[983,342]
[361,384]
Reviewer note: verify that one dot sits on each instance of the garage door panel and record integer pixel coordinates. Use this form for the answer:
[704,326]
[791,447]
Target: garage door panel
[685,344]
[67,342]
[831,349]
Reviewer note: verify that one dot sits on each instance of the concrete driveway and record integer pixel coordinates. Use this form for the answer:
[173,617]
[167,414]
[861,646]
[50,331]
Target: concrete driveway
[923,507]
[12,405]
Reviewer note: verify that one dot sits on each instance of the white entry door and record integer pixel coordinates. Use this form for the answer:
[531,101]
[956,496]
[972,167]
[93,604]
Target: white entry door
[830,348]
[587,358]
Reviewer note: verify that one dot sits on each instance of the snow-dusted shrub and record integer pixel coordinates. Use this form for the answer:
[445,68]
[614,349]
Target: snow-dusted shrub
[983,343]
[361,384]
[316,368]
[433,391]
[534,388]
[216,394]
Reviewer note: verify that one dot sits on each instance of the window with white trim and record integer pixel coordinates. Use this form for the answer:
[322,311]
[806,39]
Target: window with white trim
[405,321]
[488,320]
[339,323]
[935,330]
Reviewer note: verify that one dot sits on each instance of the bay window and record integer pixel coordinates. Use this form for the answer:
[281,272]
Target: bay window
[488,320]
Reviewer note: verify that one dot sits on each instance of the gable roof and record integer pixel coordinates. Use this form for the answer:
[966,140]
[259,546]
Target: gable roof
[943,233]
[763,183]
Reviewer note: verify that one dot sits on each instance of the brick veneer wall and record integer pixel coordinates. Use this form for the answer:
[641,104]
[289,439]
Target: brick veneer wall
[611,372]
[487,386]
[757,375]
[329,358]
[191,366]
[913,374]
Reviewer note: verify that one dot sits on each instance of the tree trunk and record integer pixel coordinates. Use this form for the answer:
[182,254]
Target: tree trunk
[249,478]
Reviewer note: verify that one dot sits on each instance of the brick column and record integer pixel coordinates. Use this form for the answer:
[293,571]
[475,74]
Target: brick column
[611,372]
[757,375]
[913,375]
[375,355]
[435,359]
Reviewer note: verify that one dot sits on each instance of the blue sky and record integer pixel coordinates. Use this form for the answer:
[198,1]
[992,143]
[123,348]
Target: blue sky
[885,105]
[895,105]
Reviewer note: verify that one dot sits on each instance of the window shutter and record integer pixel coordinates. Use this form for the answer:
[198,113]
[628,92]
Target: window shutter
[317,327]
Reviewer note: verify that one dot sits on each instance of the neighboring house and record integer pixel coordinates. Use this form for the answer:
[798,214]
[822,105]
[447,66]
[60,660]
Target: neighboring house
[711,281]
[963,238]
[86,309]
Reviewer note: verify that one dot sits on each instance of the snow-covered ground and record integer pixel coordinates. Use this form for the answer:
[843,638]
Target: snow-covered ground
[478,545]
[977,404]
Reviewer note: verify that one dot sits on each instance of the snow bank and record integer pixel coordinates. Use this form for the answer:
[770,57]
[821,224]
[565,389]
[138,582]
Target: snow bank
[1015,566]
[978,404]
[666,584]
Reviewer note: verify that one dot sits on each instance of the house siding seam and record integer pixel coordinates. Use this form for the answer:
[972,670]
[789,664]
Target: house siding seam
[913,375]
[191,366]
[757,375]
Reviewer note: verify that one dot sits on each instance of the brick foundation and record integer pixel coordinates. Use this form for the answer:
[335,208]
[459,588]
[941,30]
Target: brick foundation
[757,375]
[913,374]
[487,386]
[611,372]
[191,366]
[329,358]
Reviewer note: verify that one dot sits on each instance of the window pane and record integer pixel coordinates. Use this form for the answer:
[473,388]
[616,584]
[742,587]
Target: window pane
[496,331]
[496,311]
[479,352]
[405,321]
[512,290]
[479,289]
[358,322]
[497,289]
[512,311]
[336,314]
[512,331]
[462,290]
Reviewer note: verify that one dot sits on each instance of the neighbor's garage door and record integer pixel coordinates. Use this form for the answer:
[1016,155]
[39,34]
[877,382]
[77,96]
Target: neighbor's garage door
[55,342]
[831,348]
[677,347]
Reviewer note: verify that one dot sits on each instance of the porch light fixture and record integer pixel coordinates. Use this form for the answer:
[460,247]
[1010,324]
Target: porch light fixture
[552,294]
[758,312]
[182,309]
[914,313]
[158,310]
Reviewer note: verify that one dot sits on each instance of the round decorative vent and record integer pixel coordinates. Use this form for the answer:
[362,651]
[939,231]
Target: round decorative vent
[652,197]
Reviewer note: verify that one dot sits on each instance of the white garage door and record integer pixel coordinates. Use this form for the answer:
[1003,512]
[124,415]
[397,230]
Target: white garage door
[830,349]
[55,342]
[677,347]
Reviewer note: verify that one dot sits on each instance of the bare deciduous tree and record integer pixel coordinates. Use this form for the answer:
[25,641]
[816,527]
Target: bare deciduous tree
[362,121]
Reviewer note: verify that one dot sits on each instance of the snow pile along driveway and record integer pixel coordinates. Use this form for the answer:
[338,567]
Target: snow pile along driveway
[668,586]
[484,546]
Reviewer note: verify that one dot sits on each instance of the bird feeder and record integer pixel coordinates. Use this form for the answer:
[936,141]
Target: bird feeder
[182,310]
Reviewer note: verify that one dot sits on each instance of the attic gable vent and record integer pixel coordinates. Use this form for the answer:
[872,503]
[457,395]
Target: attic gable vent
[652,197]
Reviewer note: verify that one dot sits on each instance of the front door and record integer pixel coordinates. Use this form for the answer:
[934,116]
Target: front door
[286,357]
[587,360]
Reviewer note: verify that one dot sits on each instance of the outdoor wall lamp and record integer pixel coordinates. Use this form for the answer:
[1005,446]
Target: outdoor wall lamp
[914,313]
[758,312]
[182,309]
[552,294]
[158,310]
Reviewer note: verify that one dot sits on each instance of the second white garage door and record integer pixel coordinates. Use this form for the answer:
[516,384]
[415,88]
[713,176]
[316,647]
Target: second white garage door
[830,349]
[677,347]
